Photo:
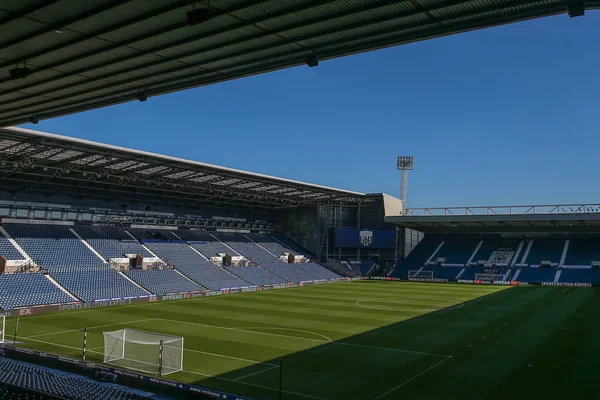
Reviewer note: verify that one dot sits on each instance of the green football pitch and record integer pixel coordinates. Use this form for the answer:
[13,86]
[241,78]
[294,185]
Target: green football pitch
[363,340]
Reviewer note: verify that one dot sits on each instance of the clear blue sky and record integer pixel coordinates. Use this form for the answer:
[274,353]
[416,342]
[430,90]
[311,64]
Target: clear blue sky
[506,115]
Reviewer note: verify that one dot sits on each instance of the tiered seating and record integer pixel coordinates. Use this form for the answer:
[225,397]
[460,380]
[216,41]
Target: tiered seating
[54,247]
[64,386]
[486,249]
[111,242]
[161,282]
[545,274]
[255,275]
[545,250]
[98,285]
[151,234]
[580,275]
[205,243]
[20,290]
[253,252]
[457,250]
[71,263]
[276,247]
[582,251]
[418,257]
[7,250]
[195,267]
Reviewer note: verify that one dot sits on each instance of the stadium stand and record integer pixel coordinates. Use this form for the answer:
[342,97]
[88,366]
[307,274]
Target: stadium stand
[21,290]
[582,251]
[7,250]
[252,251]
[71,263]
[205,243]
[111,242]
[194,266]
[64,386]
[161,282]
[279,248]
[457,250]
[545,250]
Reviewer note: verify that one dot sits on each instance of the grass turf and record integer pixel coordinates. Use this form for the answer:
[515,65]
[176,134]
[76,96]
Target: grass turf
[363,340]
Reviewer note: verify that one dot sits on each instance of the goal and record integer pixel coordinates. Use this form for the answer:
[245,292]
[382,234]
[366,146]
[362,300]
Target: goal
[420,275]
[148,352]
[2,327]
[489,277]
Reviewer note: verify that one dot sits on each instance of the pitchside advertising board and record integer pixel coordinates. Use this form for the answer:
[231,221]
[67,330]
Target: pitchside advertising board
[366,238]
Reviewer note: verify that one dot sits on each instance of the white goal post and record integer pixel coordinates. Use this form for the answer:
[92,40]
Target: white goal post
[2,327]
[418,274]
[149,352]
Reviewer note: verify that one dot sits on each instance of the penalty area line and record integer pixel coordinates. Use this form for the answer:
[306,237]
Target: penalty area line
[413,378]
[256,373]
[255,385]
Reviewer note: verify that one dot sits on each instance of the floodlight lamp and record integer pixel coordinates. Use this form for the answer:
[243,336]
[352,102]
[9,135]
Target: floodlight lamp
[405,163]
[312,60]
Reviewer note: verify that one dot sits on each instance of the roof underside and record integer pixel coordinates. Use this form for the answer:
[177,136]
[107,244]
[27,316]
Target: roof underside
[39,163]
[88,54]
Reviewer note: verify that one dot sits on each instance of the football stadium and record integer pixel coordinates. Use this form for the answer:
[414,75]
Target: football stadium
[126,274]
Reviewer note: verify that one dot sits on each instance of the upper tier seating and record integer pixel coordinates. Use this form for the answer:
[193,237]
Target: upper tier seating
[21,290]
[7,250]
[268,261]
[205,243]
[582,251]
[111,242]
[54,247]
[196,267]
[64,386]
[151,234]
[161,282]
[545,250]
[71,263]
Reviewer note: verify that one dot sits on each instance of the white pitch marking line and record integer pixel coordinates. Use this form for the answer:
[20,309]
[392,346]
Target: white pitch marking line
[413,378]
[303,338]
[231,357]
[565,290]
[269,328]
[255,385]
[256,373]
[431,307]
[92,327]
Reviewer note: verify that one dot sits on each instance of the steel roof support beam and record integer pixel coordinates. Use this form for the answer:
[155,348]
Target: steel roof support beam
[260,59]
[245,24]
[24,12]
[63,23]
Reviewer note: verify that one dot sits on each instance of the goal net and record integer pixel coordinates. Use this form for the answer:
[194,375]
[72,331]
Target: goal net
[489,277]
[144,351]
[420,274]
[2,327]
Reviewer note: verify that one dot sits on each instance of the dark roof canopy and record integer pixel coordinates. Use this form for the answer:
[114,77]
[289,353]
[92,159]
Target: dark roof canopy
[38,162]
[64,56]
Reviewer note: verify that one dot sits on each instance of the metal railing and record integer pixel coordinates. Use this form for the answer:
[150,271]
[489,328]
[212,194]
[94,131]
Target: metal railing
[587,208]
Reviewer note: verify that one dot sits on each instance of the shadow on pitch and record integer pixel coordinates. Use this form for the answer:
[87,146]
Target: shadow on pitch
[401,359]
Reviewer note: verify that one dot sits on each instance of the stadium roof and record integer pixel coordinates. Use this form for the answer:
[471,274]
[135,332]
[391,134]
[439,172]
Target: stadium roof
[529,218]
[38,162]
[64,56]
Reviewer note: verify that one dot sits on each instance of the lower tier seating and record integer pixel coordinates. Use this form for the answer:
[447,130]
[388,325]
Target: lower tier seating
[255,275]
[64,386]
[161,282]
[21,290]
[98,285]
[537,275]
